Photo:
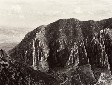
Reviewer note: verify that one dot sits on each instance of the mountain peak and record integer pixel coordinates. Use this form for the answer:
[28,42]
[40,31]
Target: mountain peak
[67,43]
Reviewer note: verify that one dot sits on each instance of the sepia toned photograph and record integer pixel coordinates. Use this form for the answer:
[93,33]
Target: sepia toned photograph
[55,42]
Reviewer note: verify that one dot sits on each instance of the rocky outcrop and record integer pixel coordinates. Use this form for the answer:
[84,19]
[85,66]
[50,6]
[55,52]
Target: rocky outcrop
[68,43]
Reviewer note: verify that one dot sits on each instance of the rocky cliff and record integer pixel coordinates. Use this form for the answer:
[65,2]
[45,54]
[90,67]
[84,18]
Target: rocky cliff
[70,49]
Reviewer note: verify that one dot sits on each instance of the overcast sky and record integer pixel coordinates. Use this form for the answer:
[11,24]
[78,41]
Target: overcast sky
[32,13]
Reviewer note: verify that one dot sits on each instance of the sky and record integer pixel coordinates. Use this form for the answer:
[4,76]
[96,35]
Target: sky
[29,14]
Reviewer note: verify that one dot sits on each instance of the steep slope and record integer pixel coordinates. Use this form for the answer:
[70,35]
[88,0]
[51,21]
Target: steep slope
[68,44]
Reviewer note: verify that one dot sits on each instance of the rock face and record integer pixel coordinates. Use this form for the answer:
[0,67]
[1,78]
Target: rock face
[68,43]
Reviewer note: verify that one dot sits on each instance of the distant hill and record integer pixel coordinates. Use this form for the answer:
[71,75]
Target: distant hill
[12,34]
[7,46]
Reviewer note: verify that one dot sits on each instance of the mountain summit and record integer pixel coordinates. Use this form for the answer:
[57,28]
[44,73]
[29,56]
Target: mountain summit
[69,47]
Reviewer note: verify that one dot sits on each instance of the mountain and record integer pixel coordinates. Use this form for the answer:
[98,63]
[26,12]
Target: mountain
[74,52]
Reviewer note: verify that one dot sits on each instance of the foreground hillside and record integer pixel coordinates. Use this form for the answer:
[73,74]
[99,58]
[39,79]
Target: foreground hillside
[16,73]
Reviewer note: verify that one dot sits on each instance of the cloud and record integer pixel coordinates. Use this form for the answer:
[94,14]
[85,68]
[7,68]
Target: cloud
[17,11]
[41,11]
[16,8]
